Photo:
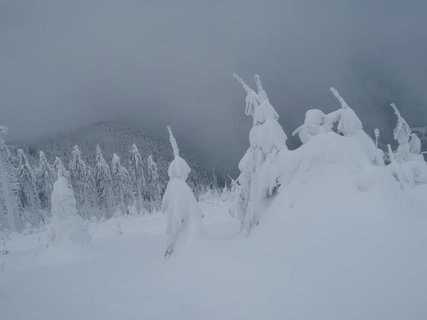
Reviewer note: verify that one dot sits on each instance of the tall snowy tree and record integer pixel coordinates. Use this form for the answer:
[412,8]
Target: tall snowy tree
[28,191]
[267,139]
[184,222]
[10,207]
[348,124]
[122,186]
[103,186]
[81,178]
[401,134]
[153,184]
[136,167]
[415,144]
[45,177]
[66,225]
[409,166]
[59,165]
[377,136]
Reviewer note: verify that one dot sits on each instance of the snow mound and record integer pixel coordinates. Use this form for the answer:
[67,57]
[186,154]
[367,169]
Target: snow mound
[347,239]
[333,167]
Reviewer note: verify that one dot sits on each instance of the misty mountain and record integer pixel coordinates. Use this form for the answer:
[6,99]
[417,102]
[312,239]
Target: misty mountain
[118,137]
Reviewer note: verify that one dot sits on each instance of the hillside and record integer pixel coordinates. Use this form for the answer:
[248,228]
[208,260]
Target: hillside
[117,137]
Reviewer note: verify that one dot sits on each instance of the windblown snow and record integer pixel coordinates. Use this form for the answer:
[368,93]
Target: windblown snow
[340,240]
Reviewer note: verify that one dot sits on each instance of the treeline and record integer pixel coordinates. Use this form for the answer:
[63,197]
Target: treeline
[102,190]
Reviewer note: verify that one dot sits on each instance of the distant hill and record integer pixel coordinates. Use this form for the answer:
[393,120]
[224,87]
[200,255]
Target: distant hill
[117,137]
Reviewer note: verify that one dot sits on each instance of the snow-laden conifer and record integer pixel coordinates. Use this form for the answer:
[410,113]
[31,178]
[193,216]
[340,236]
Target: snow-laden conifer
[136,169]
[402,134]
[59,165]
[103,185]
[252,100]
[10,207]
[415,144]
[66,224]
[267,138]
[315,123]
[45,177]
[82,181]
[28,191]
[348,124]
[179,204]
[153,184]
[377,136]
[122,186]
[408,161]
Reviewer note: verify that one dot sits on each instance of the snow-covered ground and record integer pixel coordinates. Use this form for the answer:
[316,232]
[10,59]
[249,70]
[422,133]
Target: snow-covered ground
[341,240]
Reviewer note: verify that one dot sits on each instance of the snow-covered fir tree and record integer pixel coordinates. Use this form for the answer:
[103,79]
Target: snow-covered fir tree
[82,181]
[348,124]
[59,165]
[10,207]
[315,123]
[28,191]
[103,186]
[414,144]
[184,220]
[266,139]
[402,134]
[153,184]
[45,177]
[409,166]
[66,224]
[377,136]
[122,186]
[136,169]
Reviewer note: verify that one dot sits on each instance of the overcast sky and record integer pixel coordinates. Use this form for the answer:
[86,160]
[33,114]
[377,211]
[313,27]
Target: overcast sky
[64,64]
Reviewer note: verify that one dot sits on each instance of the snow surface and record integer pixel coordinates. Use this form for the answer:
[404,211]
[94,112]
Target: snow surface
[341,240]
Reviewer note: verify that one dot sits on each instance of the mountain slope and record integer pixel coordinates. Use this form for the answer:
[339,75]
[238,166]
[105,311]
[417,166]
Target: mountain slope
[117,137]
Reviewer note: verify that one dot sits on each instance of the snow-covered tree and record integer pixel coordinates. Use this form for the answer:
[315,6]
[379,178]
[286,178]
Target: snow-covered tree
[184,222]
[103,186]
[348,124]
[153,184]
[252,99]
[415,144]
[377,136]
[401,134]
[122,186]
[409,166]
[10,207]
[58,165]
[82,181]
[136,169]
[267,139]
[45,177]
[315,123]
[28,191]
[66,224]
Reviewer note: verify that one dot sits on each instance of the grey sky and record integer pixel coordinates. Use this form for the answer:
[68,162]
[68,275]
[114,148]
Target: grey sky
[68,63]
